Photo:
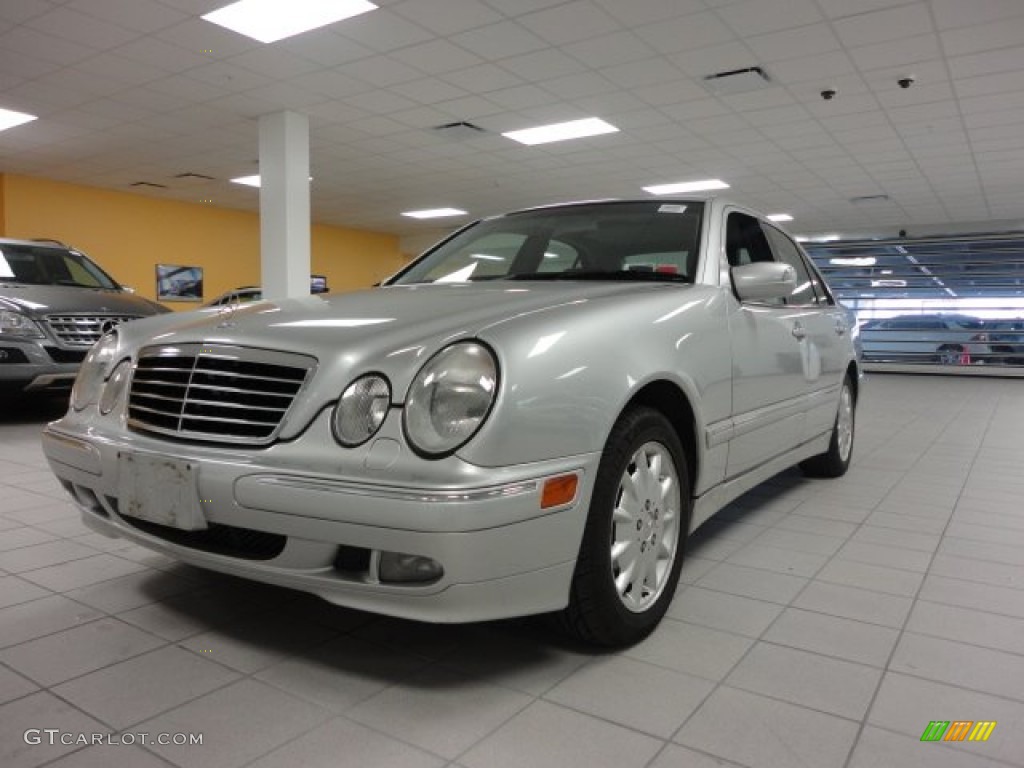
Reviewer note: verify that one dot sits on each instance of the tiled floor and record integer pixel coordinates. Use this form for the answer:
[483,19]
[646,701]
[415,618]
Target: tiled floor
[820,624]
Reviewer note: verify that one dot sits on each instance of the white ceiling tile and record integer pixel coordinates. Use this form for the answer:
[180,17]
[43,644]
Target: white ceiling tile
[381,71]
[609,50]
[325,47]
[879,26]
[698,108]
[918,94]
[794,43]
[892,53]
[333,84]
[836,9]
[638,12]
[570,22]
[436,57]
[446,17]
[145,16]
[521,7]
[43,47]
[818,68]
[22,66]
[716,58]
[685,33]
[956,13]
[1002,82]
[274,63]
[157,53]
[77,27]
[987,63]
[582,84]
[681,91]
[469,108]
[769,97]
[637,74]
[429,90]
[499,41]
[379,101]
[200,36]
[522,97]
[983,37]
[754,17]
[844,104]
[542,65]
[377,126]
[20,11]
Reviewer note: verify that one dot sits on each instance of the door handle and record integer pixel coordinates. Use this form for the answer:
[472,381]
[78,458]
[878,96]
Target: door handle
[798,332]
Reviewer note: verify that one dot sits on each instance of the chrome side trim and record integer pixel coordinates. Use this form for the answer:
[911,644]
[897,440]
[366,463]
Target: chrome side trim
[420,495]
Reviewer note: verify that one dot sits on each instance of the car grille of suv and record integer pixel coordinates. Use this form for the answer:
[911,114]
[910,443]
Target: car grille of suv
[84,330]
[217,394]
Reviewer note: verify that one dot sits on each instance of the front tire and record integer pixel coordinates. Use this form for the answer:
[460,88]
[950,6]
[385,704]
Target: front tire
[836,460]
[635,535]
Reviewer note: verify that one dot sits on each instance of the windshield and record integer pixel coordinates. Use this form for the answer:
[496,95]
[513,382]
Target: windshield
[596,241]
[48,265]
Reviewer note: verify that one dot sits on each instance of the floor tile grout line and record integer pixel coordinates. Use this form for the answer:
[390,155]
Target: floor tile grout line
[902,630]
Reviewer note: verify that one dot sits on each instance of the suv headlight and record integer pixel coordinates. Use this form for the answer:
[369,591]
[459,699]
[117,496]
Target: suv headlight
[93,371]
[450,398]
[361,410]
[17,325]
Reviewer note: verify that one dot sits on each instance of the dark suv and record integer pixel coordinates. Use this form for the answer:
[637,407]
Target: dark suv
[54,304]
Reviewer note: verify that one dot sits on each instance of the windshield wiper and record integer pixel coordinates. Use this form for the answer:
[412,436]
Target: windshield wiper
[628,275]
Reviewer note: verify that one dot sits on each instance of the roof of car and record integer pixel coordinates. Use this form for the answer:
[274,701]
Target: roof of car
[41,243]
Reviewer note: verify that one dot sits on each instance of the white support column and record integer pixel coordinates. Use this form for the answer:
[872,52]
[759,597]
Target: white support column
[284,205]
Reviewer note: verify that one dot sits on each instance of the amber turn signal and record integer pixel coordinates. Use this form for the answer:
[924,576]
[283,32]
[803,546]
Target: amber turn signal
[558,491]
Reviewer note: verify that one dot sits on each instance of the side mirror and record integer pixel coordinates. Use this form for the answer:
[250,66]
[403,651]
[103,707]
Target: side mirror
[763,280]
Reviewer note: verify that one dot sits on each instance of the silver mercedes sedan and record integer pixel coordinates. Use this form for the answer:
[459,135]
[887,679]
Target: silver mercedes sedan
[530,418]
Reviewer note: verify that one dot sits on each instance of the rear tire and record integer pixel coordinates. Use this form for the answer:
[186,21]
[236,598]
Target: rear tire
[635,535]
[836,460]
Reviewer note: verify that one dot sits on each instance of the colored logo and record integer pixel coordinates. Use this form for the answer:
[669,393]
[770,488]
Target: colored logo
[958,730]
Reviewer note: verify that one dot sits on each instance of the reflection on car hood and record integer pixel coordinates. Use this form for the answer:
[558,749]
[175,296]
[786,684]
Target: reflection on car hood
[384,317]
[41,300]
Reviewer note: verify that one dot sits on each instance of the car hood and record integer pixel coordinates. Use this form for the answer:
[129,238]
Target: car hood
[382,317]
[392,330]
[39,300]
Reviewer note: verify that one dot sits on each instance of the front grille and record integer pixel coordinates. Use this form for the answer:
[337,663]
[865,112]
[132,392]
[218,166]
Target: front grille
[219,539]
[59,355]
[84,330]
[215,393]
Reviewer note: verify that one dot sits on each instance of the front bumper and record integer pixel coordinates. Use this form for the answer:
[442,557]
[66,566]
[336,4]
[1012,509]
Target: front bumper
[27,365]
[502,555]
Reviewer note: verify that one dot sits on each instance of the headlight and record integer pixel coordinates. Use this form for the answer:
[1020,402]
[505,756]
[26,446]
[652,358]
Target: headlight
[450,398]
[93,372]
[361,410]
[116,385]
[16,325]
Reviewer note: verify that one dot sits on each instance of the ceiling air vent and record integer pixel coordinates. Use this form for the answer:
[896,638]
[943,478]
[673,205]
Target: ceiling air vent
[194,176]
[736,81]
[147,185]
[460,130]
[869,199]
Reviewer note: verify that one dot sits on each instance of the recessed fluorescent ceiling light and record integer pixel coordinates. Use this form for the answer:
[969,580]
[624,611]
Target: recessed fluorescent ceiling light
[779,217]
[9,118]
[270,20]
[574,129]
[434,213]
[686,186]
[251,181]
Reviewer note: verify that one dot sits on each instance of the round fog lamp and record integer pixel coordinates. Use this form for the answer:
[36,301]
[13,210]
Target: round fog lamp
[361,410]
[396,567]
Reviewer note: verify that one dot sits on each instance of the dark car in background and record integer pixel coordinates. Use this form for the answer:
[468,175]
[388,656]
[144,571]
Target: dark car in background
[55,303]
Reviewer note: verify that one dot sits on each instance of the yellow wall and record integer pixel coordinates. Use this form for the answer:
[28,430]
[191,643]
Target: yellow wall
[128,234]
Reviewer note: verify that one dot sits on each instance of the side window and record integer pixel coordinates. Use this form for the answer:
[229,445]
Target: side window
[745,242]
[786,251]
[558,257]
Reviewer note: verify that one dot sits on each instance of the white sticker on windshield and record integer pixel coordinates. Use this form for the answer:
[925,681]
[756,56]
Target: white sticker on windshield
[5,268]
[671,208]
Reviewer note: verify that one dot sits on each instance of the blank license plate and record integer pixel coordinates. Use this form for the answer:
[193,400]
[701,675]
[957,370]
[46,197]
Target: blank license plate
[160,490]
